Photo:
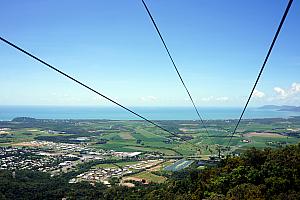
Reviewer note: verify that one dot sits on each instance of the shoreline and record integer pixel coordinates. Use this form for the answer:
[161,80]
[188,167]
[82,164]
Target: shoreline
[140,120]
[8,113]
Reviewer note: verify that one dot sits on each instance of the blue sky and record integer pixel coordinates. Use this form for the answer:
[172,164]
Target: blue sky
[112,46]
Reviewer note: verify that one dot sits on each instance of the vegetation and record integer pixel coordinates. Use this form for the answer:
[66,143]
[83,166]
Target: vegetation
[255,174]
[37,185]
[139,136]
[150,177]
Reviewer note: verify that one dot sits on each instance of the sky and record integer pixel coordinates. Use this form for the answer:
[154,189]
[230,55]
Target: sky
[112,46]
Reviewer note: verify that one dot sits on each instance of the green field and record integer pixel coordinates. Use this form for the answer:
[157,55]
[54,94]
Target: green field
[130,136]
[103,166]
[150,177]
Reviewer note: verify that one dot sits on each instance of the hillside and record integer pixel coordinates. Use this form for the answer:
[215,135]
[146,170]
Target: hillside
[256,174]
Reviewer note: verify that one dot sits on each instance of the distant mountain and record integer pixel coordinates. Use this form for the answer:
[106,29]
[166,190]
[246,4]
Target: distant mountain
[281,108]
[23,119]
[294,109]
[270,107]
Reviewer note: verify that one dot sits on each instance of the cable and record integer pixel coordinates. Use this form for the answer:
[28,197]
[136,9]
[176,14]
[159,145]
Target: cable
[176,69]
[263,66]
[91,89]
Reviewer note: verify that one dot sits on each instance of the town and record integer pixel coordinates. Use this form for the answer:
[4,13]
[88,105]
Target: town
[58,158]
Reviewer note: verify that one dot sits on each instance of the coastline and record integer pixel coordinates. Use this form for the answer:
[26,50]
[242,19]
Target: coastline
[7,113]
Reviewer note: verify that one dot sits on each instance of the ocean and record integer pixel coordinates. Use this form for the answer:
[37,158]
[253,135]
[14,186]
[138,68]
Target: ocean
[152,113]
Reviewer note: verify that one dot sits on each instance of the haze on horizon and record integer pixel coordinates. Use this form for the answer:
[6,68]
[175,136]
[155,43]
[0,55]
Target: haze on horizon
[112,46]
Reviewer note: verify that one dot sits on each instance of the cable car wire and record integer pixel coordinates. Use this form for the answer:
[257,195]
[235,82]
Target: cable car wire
[91,89]
[174,65]
[262,67]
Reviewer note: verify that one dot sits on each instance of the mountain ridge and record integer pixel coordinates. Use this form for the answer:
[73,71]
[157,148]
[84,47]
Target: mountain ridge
[281,108]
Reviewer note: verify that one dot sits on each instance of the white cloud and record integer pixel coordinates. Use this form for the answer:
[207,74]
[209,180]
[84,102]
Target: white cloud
[149,99]
[290,92]
[222,98]
[258,94]
[153,98]
[281,92]
[207,98]
[186,99]
[295,88]
[212,98]
[290,95]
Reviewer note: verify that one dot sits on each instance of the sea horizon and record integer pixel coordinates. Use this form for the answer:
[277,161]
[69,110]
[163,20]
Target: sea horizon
[9,112]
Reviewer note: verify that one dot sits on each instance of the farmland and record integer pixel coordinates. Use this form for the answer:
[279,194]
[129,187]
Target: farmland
[147,176]
[132,136]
